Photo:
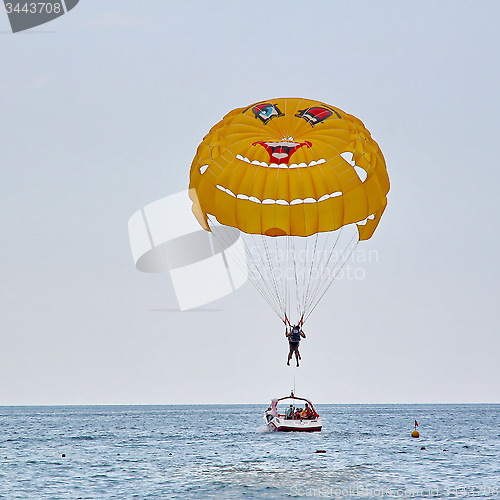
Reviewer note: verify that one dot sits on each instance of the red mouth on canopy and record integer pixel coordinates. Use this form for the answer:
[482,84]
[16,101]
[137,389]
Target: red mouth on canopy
[280,152]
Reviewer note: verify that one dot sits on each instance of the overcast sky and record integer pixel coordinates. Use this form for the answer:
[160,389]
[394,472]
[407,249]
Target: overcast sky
[101,113]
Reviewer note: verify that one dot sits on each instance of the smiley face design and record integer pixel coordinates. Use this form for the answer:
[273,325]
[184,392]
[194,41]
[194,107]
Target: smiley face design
[289,166]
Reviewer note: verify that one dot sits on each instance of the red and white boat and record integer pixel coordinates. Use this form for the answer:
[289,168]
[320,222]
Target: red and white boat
[278,419]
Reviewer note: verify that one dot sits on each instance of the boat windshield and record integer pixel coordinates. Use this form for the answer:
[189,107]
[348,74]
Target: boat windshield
[296,409]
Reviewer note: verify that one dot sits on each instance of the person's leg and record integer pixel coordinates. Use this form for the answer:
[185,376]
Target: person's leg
[297,355]
[289,356]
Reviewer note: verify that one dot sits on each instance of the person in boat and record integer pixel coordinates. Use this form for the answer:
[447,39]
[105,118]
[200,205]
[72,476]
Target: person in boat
[294,336]
[308,413]
[269,417]
[289,413]
[298,414]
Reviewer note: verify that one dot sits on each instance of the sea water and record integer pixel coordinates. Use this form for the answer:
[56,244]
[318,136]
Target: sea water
[225,452]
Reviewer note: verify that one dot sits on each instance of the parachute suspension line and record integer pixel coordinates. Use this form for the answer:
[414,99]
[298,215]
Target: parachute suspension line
[271,297]
[323,266]
[328,284]
[266,273]
[310,279]
[296,278]
[221,234]
[329,274]
[314,267]
[324,260]
[270,277]
[273,276]
[281,278]
[335,275]
[303,267]
[326,257]
[287,287]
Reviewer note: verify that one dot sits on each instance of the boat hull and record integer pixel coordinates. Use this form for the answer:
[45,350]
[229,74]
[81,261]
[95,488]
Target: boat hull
[283,425]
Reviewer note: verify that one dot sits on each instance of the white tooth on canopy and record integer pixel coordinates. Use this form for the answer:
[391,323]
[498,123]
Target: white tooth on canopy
[270,201]
[362,173]
[349,158]
[276,165]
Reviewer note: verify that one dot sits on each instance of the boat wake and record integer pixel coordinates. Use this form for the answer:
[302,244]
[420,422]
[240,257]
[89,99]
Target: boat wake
[262,429]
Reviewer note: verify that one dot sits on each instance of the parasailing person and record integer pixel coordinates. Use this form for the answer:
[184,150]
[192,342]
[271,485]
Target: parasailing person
[294,336]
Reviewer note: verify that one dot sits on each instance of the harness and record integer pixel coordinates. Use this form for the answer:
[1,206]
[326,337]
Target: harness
[295,336]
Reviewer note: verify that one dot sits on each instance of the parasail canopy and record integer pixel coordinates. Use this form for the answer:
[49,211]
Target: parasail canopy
[291,172]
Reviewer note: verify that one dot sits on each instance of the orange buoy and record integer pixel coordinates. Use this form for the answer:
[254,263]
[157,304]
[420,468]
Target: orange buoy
[415,433]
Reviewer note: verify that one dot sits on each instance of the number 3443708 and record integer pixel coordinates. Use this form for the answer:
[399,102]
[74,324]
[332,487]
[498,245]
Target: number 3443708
[34,8]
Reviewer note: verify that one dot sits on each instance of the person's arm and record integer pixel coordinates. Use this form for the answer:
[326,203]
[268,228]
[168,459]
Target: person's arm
[302,334]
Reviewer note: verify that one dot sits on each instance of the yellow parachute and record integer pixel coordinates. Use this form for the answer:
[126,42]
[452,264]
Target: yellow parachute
[293,171]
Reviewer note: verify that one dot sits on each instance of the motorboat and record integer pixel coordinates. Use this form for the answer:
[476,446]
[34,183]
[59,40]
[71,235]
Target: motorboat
[292,414]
